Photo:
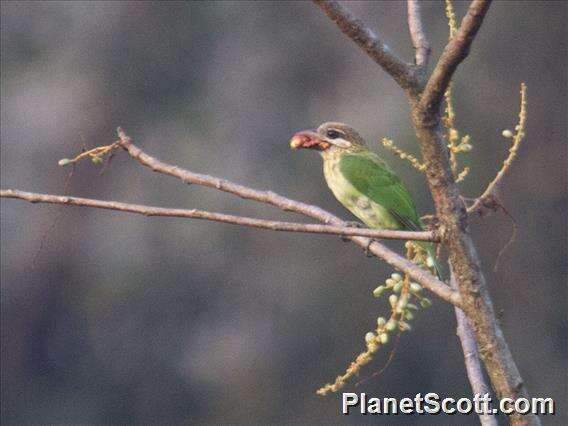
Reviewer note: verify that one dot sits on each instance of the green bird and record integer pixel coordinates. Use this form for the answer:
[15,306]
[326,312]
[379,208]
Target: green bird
[362,181]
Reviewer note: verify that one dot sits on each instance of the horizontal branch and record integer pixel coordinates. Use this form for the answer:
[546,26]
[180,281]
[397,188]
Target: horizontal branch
[356,30]
[426,279]
[454,53]
[217,217]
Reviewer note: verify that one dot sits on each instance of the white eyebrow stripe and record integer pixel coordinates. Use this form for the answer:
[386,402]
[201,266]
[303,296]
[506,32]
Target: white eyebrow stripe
[342,143]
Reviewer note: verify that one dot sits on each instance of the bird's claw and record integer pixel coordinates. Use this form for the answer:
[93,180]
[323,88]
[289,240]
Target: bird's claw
[367,248]
[354,224]
[351,224]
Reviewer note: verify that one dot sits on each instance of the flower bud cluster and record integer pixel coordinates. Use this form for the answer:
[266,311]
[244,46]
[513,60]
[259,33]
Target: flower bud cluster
[403,295]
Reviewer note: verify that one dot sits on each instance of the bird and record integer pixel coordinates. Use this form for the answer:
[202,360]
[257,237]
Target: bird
[363,182]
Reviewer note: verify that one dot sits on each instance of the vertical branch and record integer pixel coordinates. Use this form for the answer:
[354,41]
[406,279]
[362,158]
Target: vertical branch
[464,327]
[464,259]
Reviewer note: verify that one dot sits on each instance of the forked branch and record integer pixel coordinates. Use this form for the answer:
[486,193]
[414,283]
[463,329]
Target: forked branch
[473,297]
[354,28]
[426,115]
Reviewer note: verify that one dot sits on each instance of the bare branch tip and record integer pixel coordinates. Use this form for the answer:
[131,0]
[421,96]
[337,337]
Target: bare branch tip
[354,28]
[454,53]
[417,34]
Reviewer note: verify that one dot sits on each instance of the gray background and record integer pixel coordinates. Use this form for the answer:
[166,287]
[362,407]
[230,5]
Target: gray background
[123,319]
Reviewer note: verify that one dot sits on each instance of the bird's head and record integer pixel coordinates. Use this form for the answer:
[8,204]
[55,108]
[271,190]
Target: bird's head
[329,137]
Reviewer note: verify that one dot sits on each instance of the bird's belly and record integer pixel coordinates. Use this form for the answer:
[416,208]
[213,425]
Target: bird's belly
[369,212]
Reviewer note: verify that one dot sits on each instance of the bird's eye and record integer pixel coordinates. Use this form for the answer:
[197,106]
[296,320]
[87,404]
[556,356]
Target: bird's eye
[333,134]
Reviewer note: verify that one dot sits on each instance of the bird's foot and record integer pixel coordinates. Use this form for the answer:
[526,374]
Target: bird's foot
[351,224]
[368,247]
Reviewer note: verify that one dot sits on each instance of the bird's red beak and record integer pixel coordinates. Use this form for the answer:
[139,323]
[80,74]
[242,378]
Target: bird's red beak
[308,139]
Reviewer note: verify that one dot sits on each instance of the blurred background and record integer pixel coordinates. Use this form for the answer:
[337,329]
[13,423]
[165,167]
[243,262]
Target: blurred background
[111,318]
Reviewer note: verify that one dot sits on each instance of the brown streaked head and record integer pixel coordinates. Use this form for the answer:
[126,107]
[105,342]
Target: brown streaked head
[328,135]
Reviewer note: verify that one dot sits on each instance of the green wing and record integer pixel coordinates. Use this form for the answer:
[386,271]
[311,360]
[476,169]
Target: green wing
[373,178]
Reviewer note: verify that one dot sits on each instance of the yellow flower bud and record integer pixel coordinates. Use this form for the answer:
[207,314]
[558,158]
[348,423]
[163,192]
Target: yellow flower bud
[402,303]
[378,291]
[415,288]
[391,324]
[412,306]
[393,299]
[370,337]
[396,277]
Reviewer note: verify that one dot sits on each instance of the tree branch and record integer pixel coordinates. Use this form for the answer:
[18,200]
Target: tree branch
[471,358]
[421,120]
[473,297]
[454,53]
[464,329]
[418,274]
[419,40]
[217,217]
[464,260]
[404,74]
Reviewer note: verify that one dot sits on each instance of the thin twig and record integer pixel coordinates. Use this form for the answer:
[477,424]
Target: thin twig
[419,40]
[273,225]
[55,222]
[454,53]
[471,358]
[403,155]
[404,74]
[517,139]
